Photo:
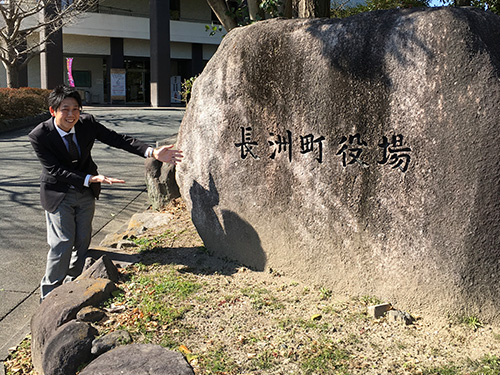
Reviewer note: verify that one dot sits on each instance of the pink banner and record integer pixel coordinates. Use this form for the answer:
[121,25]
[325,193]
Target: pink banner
[69,63]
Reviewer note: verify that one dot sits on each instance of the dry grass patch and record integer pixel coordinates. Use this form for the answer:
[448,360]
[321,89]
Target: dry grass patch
[227,319]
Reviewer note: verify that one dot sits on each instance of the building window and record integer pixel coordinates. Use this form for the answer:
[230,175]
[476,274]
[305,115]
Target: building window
[83,78]
[175,10]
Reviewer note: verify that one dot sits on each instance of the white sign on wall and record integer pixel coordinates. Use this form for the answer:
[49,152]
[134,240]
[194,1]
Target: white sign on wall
[118,84]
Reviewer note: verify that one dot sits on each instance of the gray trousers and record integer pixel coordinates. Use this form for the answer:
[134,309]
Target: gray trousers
[69,231]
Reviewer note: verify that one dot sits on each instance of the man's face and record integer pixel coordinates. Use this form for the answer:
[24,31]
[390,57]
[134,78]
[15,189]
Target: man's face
[67,114]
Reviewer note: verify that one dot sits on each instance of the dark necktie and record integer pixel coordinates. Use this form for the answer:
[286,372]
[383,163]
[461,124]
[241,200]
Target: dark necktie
[72,148]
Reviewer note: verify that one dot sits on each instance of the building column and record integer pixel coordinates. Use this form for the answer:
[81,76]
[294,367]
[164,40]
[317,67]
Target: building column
[159,26]
[197,58]
[116,65]
[117,58]
[52,59]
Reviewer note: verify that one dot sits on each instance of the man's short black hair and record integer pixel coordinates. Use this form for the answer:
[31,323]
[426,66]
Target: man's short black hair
[62,92]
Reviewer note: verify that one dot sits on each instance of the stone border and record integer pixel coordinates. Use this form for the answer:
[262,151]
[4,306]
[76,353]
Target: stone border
[19,123]
[63,337]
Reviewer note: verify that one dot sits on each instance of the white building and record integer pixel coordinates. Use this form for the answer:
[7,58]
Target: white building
[117,55]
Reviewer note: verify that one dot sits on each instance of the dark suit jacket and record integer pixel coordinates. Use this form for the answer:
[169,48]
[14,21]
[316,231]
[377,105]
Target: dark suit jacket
[58,174]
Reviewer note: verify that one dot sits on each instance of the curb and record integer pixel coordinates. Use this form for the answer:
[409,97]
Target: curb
[7,125]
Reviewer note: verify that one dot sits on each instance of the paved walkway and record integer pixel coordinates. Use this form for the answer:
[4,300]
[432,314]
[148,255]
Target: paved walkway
[23,247]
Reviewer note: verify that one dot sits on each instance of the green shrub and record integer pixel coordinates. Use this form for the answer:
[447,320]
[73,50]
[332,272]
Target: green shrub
[22,102]
[187,87]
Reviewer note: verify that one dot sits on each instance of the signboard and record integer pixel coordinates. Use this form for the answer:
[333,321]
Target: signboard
[118,85]
[175,89]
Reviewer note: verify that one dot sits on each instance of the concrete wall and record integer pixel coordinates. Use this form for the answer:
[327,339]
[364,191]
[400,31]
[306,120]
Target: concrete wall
[116,26]
[110,25]
[136,47]
[180,50]
[139,7]
[86,45]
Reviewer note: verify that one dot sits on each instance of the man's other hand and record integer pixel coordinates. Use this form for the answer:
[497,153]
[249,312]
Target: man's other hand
[106,180]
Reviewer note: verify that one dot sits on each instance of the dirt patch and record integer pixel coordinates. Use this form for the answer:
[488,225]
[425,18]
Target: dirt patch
[228,319]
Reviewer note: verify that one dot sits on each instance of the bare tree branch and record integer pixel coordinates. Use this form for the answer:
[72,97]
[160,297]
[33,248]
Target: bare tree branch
[221,10]
[20,19]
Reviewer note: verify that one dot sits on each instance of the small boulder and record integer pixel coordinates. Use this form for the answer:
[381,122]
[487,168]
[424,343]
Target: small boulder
[103,268]
[398,316]
[90,314]
[139,359]
[377,311]
[68,348]
[161,184]
[110,341]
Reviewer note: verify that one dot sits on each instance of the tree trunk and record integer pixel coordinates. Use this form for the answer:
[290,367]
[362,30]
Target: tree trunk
[253,9]
[222,12]
[322,8]
[288,8]
[12,74]
[311,8]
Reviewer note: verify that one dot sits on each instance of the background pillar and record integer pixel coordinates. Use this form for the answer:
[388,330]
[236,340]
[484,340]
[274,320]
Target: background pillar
[51,60]
[159,25]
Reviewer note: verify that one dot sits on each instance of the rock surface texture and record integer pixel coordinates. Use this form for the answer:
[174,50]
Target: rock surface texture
[160,181]
[68,348]
[360,153]
[139,359]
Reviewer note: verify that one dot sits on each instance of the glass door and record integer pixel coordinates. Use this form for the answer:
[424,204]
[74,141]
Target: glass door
[135,86]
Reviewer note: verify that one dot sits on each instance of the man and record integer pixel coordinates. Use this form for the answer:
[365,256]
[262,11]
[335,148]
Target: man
[70,183]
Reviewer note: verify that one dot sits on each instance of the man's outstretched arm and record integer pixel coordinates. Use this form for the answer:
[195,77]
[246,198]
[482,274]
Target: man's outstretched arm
[164,154]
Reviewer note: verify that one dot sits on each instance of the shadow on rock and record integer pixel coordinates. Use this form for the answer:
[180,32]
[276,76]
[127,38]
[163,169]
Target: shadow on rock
[224,232]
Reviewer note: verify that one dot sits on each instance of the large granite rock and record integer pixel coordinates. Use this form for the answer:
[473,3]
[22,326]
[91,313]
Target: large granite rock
[362,154]
[139,359]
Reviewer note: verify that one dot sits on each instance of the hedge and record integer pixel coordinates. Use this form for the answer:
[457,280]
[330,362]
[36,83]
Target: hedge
[22,102]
